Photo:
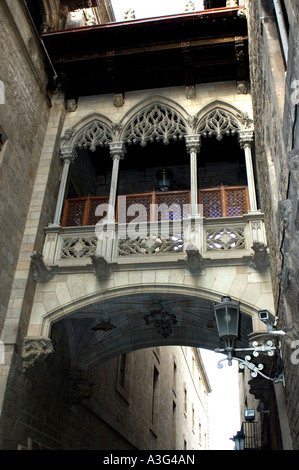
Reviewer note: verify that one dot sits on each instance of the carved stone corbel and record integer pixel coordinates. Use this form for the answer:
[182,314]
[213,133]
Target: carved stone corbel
[35,350]
[103,269]
[260,258]
[80,388]
[190,92]
[71,105]
[118,100]
[41,272]
[66,138]
[194,261]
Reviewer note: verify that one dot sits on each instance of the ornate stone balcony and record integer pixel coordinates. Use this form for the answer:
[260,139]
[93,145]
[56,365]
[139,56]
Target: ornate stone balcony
[196,241]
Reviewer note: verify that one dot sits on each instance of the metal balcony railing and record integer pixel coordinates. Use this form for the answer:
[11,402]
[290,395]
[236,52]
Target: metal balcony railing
[252,435]
[223,201]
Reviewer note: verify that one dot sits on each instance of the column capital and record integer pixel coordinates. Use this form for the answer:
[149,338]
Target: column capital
[117,150]
[68,154]
[193,143]
[246,138]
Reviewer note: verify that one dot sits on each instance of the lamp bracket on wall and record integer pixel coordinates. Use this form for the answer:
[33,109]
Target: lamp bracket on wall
[227,319]
[255,369]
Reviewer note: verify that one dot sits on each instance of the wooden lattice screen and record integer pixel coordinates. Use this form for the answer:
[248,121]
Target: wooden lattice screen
[176,203]
[225,201]
[81,211]
[132,201]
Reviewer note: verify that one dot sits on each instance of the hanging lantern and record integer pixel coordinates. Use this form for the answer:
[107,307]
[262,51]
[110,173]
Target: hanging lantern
[164,178]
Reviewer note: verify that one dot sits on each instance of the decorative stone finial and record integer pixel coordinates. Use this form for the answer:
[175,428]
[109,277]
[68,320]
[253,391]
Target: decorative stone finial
[129,14]
[189,6]
[231,3]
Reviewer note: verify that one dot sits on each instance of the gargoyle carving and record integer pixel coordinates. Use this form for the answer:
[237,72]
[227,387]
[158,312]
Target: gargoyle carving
[36,350]
[260,258]
[194,260]
[103,269]
[41,272]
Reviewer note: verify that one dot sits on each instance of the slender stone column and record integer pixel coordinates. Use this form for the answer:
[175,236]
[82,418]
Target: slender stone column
[68,156]
[246,139]
[193,144]
[117,151]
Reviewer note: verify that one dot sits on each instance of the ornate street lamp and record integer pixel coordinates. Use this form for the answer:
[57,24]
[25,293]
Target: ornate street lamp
[164,178]
[227,320]
[239,440]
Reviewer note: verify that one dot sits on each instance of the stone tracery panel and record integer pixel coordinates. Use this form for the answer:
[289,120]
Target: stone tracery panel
[93,135]
[156,122]
[78,247]
[218,122]
[226,239]
[151,245]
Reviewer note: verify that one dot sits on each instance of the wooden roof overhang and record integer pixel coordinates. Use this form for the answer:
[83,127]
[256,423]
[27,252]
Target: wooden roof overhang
[187,49]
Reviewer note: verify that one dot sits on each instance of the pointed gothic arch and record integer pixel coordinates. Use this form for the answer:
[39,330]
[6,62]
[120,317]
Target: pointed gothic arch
[104,324]
[154,119]
[92,131]
[220,118]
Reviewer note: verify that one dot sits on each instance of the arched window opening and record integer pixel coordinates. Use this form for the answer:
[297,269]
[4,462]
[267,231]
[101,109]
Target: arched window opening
[139,168]
[222,178]
[157,162]
[90,181]
[139,180]
[88,187]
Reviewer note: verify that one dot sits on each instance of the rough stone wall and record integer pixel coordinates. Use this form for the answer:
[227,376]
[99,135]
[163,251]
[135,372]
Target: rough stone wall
[290,228]
[26,161]
[23,119]
[267,105]
[275,104]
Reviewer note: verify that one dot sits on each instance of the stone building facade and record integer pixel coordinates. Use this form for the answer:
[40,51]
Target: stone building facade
[105,107]
[274,87]
[123,390]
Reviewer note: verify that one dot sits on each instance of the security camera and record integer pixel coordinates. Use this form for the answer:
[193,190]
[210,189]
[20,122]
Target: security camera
[269,320]
[266,317]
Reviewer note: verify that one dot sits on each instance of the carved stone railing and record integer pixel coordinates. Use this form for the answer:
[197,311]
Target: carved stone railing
[196,240]
[236,237]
